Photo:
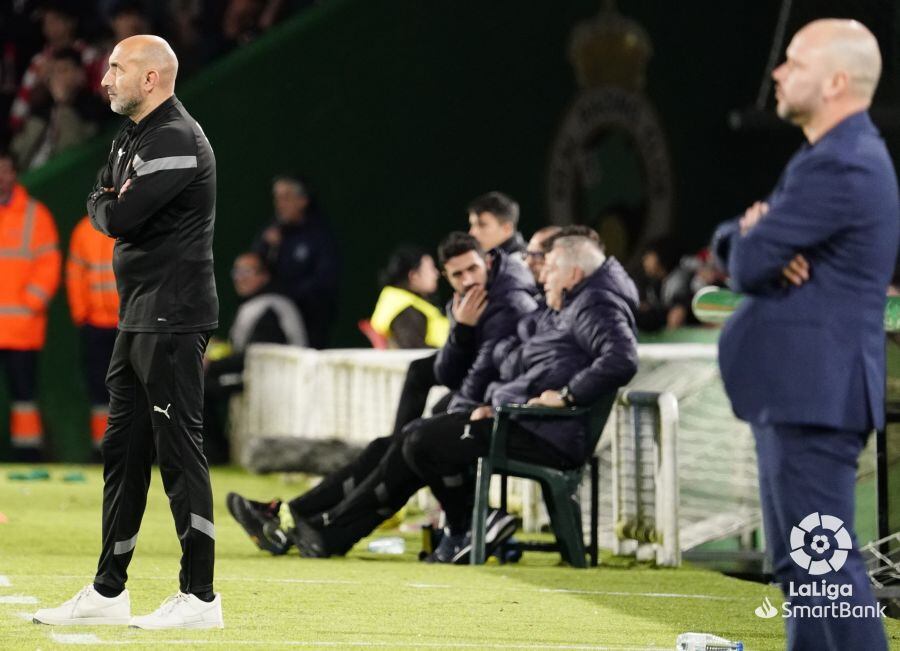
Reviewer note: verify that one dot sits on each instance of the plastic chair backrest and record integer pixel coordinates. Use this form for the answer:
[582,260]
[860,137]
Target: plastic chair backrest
[597,418]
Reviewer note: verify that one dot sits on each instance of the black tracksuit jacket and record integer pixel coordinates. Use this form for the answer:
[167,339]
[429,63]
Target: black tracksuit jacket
[163,222]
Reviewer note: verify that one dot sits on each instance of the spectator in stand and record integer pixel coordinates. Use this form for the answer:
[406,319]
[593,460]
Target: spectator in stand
[302,254]
[664,287]
[29,276]
[94,305]
[125,19]
[264,316]
[493,220]
[403,313]
[211,28]
[59,25]
[68,115]
[19,40]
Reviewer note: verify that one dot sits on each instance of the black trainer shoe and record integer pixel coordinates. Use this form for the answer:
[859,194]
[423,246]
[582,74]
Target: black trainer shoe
[452,549]
[499,527]
[260,521]
[308,540]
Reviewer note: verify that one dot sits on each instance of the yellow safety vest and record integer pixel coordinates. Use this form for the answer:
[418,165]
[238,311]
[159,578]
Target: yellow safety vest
[394,300]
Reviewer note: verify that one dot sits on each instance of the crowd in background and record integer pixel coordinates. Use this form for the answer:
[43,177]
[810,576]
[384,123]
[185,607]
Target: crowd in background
[53,54]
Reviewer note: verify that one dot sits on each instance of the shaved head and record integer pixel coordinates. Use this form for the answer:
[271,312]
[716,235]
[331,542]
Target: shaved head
[141,75]
[848,47]
[153,53]
[831,71]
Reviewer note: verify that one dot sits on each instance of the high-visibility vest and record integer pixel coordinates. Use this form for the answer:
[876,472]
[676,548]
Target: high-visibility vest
[29,270]
[393,300]
[90,282]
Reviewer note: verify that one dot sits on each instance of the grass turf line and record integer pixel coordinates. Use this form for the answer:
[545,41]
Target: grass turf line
[49,545]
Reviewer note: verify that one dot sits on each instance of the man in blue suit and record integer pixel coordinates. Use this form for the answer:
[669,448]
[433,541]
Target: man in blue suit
[803,356]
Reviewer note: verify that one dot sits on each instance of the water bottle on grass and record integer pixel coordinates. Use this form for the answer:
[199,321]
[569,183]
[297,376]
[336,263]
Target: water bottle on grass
[389,545]
[706,642]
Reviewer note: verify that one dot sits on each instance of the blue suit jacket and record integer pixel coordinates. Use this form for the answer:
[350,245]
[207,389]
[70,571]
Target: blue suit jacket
[814,355]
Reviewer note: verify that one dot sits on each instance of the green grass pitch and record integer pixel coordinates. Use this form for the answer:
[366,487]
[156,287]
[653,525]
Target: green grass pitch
[49,539]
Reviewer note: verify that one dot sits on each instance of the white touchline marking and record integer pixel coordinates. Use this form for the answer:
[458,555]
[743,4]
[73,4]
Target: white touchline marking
[75,638]
[18,599]
[26,616]
[360,644]
[426,585]
[663,595]
[4,581]
[250,579]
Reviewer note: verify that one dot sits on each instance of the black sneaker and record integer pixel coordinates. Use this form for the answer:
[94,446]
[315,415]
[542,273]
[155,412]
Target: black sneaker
[452,549]
[498,528]
[308,540]
[260,521]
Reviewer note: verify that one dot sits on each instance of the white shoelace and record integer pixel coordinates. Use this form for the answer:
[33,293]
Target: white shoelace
[84,592]
[171,603]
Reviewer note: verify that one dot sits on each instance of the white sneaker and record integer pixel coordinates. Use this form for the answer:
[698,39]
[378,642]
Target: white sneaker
[88,607]
[183,611]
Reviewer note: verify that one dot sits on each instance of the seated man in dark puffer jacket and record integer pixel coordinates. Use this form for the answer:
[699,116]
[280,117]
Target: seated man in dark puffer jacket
[582,347]
[491,293]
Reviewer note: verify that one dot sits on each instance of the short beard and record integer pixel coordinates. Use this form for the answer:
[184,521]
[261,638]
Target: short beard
[127,108]
[791,114]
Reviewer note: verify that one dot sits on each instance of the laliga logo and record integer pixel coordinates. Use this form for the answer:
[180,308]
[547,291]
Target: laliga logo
[820,544]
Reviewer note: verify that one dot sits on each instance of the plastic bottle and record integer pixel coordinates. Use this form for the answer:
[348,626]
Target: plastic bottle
[389,545]
[706,642]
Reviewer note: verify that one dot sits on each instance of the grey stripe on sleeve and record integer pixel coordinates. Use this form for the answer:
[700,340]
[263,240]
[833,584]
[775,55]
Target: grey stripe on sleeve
[144,167]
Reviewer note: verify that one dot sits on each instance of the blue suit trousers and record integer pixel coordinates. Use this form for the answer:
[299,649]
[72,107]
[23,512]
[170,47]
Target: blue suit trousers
[805,470]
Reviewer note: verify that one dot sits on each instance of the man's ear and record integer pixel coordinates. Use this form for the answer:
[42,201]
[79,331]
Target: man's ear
[151,79]
[577,275]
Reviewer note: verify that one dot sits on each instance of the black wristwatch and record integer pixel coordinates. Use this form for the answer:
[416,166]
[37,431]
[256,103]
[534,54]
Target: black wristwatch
[567,397]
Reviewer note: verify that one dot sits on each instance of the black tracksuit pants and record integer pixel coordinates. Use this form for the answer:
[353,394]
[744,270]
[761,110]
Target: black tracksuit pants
[155,384]
[341,483]
[438,452]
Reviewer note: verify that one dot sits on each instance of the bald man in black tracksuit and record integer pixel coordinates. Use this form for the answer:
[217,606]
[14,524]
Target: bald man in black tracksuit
[156,196]
[163,225]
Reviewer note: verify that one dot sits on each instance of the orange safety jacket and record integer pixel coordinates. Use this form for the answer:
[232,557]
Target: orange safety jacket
[90,282]
[29,270]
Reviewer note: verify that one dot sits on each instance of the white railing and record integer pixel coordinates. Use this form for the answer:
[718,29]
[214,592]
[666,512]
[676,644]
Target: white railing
[644,469]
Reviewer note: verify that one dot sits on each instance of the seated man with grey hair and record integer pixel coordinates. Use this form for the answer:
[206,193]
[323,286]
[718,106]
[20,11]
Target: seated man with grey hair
[581,348]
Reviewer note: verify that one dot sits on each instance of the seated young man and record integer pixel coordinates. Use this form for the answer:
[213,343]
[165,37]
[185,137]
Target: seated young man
[583,347]
[490,295]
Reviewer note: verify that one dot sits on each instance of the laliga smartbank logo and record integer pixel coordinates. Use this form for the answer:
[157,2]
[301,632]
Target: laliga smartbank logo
[820,545]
